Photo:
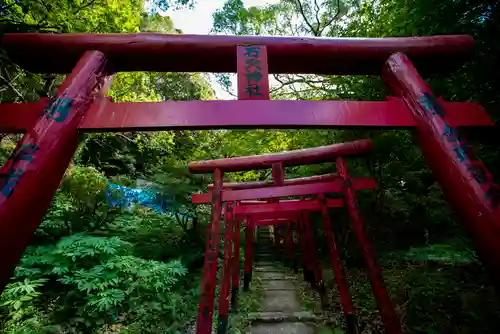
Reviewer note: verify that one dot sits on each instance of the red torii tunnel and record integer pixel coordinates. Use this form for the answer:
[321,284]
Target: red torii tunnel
[32,174]
[276,213]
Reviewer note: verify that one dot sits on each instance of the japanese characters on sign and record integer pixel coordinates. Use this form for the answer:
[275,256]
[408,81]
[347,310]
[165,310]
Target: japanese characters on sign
[474,167]
[253,81]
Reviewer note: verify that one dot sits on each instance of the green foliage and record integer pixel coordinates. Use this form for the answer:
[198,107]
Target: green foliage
[102,276]
[19,298]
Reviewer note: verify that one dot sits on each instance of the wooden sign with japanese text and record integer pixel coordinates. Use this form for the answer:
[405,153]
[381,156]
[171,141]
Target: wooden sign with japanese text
[253,74]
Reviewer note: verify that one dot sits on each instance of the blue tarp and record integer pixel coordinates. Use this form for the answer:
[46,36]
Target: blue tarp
[125,197]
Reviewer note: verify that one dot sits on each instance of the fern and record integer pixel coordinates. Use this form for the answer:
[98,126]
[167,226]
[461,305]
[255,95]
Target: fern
[103,275]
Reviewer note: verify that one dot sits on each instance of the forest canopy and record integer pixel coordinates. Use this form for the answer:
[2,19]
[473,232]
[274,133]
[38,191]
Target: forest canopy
[94,268]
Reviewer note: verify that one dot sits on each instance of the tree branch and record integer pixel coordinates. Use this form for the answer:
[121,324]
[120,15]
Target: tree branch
[317,9]
[301,9]
[301,79]
[8,83]
[333,18]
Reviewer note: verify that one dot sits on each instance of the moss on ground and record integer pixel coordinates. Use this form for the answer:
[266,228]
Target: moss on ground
[248,302]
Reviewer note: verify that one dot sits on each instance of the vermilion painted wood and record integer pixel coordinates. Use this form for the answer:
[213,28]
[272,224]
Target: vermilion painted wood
[316,268]
[105,116]
[252,62]
[236,266]
[304,254]
[257,202]
[282,217]
[338,270]
[153,116]
[276,239]
[291,158]
[286,243]
[289,246]
[247,270]
[209,278]
[20,117]
[265,220]
[29,179]
[387,312]
[293,190]
[278,173]
[226,272]
[260,184]
[466,183]
[283,207]
[56,53]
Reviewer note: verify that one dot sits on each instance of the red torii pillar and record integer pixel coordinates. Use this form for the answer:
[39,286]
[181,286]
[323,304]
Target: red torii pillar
[465,181]
[338,270]
[305,254]
[236,265]
[290,248]
[226,271]
[32,174]
[247,270]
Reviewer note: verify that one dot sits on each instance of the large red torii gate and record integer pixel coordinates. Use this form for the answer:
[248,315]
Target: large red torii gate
[33,173]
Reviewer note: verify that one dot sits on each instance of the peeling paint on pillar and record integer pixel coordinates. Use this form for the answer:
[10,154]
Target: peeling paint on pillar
[31,176]
[465,181]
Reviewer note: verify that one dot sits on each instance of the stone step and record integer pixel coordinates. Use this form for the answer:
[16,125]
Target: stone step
[270,266]
[268,277]
[285,285]
[282,328]
[270,317]
[268,263]
[267,269]
[280,301]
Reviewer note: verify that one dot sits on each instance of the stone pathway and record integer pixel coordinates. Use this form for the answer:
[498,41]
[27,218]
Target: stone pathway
[280,309]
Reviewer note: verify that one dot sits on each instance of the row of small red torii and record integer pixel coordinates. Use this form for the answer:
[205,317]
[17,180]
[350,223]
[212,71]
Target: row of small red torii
[260,213]
[31,176]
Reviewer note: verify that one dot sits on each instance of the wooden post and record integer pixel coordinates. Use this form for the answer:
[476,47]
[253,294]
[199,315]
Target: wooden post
[31,176]
[387,312]
[316,265]
[247,274]
[304,254]
[226,273]
[338,270]
[311,261]
[236,266]
[289,246]
[209,280]
[465,181]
